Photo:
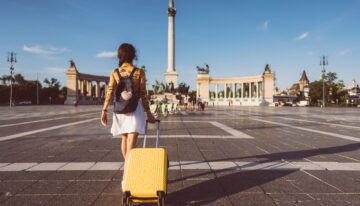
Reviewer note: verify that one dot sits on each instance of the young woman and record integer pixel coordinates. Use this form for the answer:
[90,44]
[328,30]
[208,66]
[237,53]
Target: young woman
[130,125]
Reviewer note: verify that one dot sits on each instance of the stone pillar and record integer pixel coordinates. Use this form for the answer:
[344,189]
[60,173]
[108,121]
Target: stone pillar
[216,91]
[82,87]
[242,90]
[88,88]
[250,90]
[202,87]
[225,90]
[97,89]
[233,90]
[72,85]
[268,85]
[257,90]
[79,86]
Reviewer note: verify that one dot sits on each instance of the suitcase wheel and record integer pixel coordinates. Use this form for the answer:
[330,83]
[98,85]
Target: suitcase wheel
[161,198]
[126,199]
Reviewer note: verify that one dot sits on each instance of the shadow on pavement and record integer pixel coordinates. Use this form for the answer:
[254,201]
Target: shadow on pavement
[230,182]
[297,155]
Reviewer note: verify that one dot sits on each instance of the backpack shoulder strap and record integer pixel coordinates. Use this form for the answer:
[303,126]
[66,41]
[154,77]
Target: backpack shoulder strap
[132,73]
[118,73]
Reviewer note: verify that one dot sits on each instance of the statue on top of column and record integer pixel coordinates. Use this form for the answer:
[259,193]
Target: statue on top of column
[203,70]
[267,68]
[171,9]
[72,63]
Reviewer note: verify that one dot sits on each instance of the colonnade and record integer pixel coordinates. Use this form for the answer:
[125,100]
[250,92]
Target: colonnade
[234,90]
[80,87]
[85,88]
[248,90]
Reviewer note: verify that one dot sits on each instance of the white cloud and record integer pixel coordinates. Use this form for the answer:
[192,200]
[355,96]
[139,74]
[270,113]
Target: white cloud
[45,51]
[55,70]
[106,54]
[310,53]
[302,36]
[264,26]
[344,52]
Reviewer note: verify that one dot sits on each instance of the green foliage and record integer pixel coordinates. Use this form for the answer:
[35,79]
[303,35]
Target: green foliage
[25,90]
[330,78]
[334,91]
[316,91]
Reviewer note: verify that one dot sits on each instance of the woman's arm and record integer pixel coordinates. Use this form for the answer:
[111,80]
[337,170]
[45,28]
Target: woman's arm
[110,91]
[143,93]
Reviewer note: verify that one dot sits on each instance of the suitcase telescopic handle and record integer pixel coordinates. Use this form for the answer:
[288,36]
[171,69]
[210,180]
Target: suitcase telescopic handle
[157,132]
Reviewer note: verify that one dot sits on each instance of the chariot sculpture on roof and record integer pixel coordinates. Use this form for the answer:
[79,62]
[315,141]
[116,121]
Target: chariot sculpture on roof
[203,70]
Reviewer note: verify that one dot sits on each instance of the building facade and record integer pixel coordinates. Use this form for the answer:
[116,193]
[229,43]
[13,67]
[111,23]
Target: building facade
[84,88]
[301,89]
[247,91]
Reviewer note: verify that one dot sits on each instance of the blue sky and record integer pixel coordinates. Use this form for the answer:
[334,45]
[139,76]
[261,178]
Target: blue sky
[234,37]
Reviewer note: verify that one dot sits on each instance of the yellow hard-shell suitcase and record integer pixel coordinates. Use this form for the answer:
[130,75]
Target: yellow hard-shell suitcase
[145,178]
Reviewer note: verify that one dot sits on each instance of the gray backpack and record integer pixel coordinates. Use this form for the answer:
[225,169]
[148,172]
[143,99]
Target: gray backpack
[121,105]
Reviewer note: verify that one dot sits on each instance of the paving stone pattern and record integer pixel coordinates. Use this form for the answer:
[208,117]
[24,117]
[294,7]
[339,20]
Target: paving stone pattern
[223,156]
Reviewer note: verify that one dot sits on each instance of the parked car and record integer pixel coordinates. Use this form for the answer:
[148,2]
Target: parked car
[303,103]
[25,103]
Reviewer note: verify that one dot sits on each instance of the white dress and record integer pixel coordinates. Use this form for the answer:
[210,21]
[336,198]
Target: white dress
[130,122]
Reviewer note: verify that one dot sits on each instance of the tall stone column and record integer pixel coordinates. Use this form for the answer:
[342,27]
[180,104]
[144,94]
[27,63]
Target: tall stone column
[216,92]
[233,91]
[250,90]
[78,87]
[171,75]
[82,90]
[88,88]
[97,89]
[225,90]
[242,90]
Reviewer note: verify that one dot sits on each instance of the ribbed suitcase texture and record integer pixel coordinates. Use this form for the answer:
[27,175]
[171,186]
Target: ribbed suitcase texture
[146,172]
[145,178]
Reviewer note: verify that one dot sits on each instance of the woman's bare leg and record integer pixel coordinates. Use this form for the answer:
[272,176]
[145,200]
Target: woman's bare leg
[130,143]
[124,138]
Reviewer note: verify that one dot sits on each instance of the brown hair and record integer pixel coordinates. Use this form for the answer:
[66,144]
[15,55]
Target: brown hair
[126,53]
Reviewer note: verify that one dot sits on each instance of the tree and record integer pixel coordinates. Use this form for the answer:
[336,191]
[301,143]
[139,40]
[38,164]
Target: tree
[334,91]
[25,90]
[19,79]
[330,78]
[316,92]
[52,83]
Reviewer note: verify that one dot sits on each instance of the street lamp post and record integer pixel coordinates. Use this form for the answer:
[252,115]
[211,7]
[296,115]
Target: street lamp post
[323,62]
[11,59]
[37,88]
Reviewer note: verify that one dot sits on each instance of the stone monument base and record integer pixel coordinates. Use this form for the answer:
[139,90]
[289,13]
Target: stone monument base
[171,77]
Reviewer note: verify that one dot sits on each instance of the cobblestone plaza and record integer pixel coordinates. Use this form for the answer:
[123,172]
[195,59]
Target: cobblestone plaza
[60,155]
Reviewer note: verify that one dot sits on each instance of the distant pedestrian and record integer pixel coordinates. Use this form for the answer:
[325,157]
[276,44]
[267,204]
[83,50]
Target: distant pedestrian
[186,101]
[194,102]
[199,102]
